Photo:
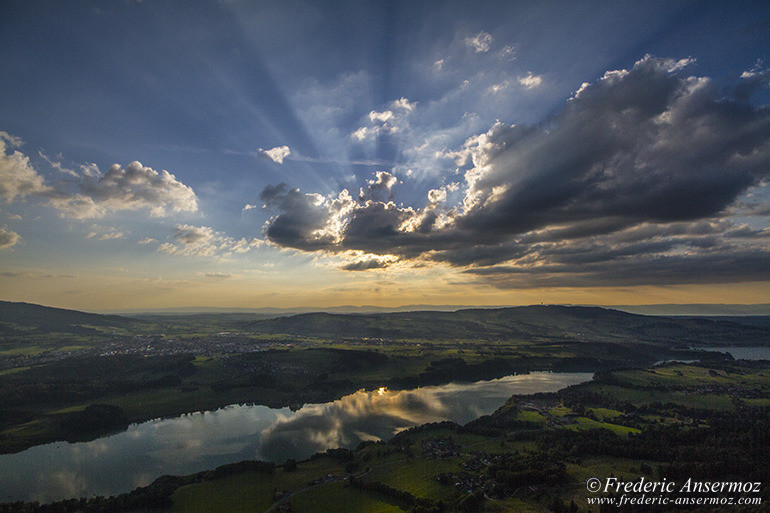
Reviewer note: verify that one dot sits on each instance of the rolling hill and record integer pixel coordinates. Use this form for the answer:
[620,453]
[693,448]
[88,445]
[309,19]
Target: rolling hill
[534,323]
[19,319]
[528,323]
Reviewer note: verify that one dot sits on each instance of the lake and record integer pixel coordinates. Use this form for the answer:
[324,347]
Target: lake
[198,441]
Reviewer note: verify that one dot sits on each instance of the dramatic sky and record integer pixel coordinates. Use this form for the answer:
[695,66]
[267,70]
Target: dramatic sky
[249,154]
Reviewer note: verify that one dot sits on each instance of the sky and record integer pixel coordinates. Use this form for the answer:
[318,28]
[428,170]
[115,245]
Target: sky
[163,154]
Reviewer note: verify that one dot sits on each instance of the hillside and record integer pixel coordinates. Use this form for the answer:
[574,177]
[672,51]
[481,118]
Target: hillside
[549,323]
[524,323]
[19,319]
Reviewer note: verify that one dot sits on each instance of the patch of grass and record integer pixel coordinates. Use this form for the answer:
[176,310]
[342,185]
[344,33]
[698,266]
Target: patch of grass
[336,497]
[605,413]
[13,371]
[602,468]
[70,348]
[248,492]
[758,402]
[417,476]
[582,423]
[689,398]
[531,416]
[24,350]
[560,411]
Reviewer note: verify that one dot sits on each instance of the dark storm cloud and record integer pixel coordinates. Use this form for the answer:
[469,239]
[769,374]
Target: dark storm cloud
[644,145]
[739,266]
[636,172]
[301,216]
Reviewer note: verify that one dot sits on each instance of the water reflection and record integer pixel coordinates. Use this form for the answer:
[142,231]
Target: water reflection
[199,441]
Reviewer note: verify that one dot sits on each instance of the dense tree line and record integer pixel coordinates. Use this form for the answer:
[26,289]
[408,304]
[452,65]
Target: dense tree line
[79,379]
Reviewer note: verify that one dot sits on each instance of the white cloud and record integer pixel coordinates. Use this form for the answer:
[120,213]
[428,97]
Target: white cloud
[363,133]
[147,240]
[378,188]
[496,88]
[405,104]
[530,81]
[480,42]
[18,179]
[58,165]
[134,187]
[438,65]
[248,206]
[92,194]
[217,276]
[277,154]
[388,121]
[381,116]
[8,238]
[192,240]
[105,233]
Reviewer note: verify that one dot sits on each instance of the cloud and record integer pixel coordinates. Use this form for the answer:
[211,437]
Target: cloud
[751,81]
[89,193]
[134,187]
[18,179]
[190,240]
[379,188]
[530,81]
[507,53]
[100,233]
[8,238]
[57,165]
[218,276]
[646,150]
[277,154]
[389,121]
[34,275]
[305,221]
[366,264]
[480,42]
[496,88]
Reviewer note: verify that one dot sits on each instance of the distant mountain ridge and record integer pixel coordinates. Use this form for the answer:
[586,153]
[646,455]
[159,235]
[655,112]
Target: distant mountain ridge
[539,323]
[536,323]
[668,309]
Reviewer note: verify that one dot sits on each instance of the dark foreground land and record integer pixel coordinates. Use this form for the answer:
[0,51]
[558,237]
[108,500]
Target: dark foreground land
[678,422]
[72,376]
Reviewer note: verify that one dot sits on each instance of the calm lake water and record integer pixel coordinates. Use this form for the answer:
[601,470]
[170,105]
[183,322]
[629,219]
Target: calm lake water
[199,441]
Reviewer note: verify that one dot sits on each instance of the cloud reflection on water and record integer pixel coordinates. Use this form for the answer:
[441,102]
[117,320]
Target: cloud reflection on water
[198,441]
